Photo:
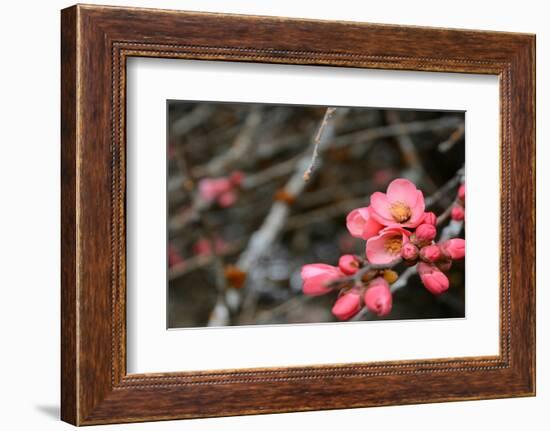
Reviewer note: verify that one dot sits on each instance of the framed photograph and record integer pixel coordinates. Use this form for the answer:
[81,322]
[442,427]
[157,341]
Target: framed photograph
[266,215]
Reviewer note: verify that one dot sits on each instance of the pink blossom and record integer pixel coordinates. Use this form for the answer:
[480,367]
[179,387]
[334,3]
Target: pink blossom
[430,218]
[203,247]
[378,298]
[462,192]
[454,248]
[236,178]
[361,224]
[432,278]
[174,257]
[386,246]
[317,276]
[402,204]
[409,251]
[425,233]
[227,199]
[457,213]
[430,253]
[347,305]
[211,188]
[348,264]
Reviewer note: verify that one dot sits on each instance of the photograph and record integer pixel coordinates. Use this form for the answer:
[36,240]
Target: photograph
[294,214]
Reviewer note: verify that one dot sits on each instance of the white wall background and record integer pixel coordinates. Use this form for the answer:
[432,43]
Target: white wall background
[29,214]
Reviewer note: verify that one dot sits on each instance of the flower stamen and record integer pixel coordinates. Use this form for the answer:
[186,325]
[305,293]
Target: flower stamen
[393,245]
[400,212]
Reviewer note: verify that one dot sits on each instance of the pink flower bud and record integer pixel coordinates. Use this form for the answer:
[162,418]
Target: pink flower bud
[211,188]
[409,251]
[430,218]
[462,192]
[457,213]
[317,276]
[454,248]
[430,253]
[432,278]
[425,233]
[378,297]
[347,305]
[236,178]
[348,264]
[227,199]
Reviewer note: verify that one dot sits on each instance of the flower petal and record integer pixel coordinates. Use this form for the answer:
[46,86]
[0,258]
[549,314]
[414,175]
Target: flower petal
[402,190]
[417,211]
[314,269]
[380,208]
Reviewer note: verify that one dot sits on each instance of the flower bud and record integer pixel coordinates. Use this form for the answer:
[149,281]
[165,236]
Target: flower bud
[462,192]
[430,218]
[390,276]
[457,213]
[409,251]
[227,199]
[430,253]
[454,248]
[348,264]
[433,279]
[316,278]
[236,178]
[378,298]
[425,233]
[347,305]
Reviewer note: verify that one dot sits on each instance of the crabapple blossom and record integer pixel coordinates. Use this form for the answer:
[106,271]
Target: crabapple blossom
[462,192]
[433,279]
[454,248]
[361,224]
[227,199]
[221,190]
[409,251]
[425,233]
[348,264]
[174,256]
[396,229]
[430,218]
[317,276]
[386,246]
[402,204]
[378,298]
[430,253]
[203,247]
[236,178]
[211,188]
[347,305]
[457,213]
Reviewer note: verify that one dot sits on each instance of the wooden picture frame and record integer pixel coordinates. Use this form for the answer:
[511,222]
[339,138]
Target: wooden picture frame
[95,43]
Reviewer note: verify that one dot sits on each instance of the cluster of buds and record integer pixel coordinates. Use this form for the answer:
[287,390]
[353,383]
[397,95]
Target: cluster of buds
[371,290]
[458,210]
[222,190]
[433,259]
[396,228]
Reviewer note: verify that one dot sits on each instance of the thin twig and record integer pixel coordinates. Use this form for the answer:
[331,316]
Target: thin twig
[317,142]
[455,137]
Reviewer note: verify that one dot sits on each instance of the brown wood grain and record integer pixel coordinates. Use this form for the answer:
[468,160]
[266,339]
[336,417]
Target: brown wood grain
[96,41]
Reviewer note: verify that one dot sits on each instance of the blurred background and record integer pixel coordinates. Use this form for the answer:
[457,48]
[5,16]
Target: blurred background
[235,257]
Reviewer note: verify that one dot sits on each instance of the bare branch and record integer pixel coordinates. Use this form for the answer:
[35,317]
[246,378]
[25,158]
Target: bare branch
[317,142]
